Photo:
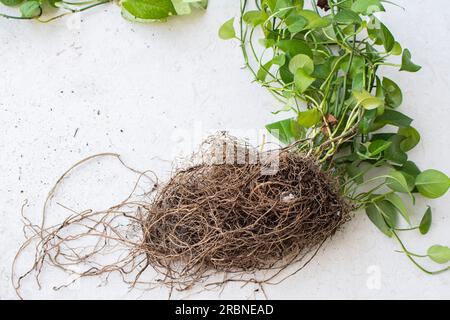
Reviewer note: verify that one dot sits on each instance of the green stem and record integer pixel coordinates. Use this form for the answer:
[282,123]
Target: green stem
[410,257]
[72,11]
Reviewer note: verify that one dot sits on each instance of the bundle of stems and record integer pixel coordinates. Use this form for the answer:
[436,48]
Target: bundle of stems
[323,63]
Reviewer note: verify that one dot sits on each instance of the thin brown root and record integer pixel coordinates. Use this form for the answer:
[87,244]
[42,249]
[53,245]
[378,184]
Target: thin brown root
[234,218]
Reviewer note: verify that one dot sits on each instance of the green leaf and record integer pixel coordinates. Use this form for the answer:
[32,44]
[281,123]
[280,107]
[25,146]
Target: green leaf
[347,17]
[439,254]
[31,9]
[302,80]
[367,121]
[296,22]
[255,17]
[388,38]
[11,3]
[407,64]
[301,61]
[314,20]
[367,6]
[202,4]
[432,183]
[425,224]
[309,118]
[395,153]
[226,31]
[282,8]
[396,181]
[322,70]
[397,49]
[399,205]
[271,4]
[287,131]
[378,146]
[266,43]
[377,219]
[149,9]
[287,106]
[411,169]
[279,59]
[358,65]
[368,101]
[184,7]
[358,82]
[355,173]
[295,46]
[285,75]
[388,211]
[375,33]
[412,138]
[393,93]
[394,118]
[264,70]
[379,90]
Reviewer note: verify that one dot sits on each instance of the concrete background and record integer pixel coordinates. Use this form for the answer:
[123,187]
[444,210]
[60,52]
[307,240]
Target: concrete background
[69,90]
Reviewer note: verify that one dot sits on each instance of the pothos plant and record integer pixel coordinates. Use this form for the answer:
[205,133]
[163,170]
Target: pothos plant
[323,65]
[135,10]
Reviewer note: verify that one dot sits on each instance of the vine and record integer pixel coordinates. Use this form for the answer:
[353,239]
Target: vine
[323,64]
[135,10]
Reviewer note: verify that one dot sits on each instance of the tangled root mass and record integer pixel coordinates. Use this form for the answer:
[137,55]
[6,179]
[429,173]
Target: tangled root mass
[232,218]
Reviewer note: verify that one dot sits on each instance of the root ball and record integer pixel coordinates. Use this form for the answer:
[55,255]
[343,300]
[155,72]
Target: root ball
[233,218]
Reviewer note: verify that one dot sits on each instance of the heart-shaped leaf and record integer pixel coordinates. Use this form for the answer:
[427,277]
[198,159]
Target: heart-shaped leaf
[11,3]
[281,8]
[264,70]
[368,101]
[314,20]
[309,118]
[355,173]
[396,181]
[347,17]
[287,131]
[255,17]
[301,61]
[432,183]
[378,146]
[388,38]
[367,6]
[411,169]
[397,49]
[395,153]
[184,7]
[393,93]
[425,224]
[295,46]
[227,31]
[378,220]
[31,9]
[412,138]
[302,80]
[388,211]
[296,22]
[149,9]
[407,64]
[394,118]
[439,254]
[399,205]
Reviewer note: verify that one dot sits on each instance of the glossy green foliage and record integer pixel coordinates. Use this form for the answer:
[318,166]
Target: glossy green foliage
[135,10]
[322,62]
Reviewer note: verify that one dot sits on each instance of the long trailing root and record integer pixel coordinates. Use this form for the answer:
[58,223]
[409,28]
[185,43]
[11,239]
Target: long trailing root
[234,218]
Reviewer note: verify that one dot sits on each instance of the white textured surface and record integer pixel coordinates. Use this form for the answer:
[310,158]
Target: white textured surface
[128,87]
